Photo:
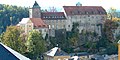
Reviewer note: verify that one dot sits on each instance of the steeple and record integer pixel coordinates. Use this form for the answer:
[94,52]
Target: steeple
[35,11]
[36,5]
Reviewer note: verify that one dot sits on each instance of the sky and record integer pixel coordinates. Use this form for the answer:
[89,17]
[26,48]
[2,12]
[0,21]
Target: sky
[44,4]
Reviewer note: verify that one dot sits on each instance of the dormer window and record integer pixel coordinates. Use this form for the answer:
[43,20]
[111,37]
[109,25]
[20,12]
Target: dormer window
[43,25]
[39,26]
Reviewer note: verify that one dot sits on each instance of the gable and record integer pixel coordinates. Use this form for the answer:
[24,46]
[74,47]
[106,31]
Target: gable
[29,21]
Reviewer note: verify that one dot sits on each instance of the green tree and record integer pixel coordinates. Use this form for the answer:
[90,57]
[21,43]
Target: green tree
[72,38]
[11,15]
[12,39]
[36,43]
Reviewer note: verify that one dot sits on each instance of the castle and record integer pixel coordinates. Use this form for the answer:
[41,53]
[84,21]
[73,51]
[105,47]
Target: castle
[89,18]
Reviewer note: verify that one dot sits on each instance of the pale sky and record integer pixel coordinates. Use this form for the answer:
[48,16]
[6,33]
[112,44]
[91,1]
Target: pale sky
[44,4]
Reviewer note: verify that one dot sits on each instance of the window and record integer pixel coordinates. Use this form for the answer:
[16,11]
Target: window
[72,12]
[64,26]
[84,16]
[79,12]
[29,25]
[88,15]
[62,17]
[49,16]
[68,25]
[55,16]
[92,16]
[87,12]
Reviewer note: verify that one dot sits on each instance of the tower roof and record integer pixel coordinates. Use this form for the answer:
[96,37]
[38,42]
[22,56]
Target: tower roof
[36,5]
[78,4]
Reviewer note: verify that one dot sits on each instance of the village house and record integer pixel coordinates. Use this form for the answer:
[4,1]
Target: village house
[56,54]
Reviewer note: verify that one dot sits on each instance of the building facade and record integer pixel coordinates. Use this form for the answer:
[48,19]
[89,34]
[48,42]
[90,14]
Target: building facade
[55,20]
[89,18]
[29,24]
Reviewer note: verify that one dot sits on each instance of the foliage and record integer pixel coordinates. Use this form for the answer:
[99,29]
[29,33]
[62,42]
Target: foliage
[36,44]
[107,44]
[32,47]
[12,39]
[73,37]
[11,15]
[109,27]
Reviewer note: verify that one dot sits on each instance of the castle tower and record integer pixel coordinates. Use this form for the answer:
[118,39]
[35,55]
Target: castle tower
[35,11]
[119,50]
[78,4]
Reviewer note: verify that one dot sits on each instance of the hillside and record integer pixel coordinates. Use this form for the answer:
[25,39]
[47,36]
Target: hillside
[11,15]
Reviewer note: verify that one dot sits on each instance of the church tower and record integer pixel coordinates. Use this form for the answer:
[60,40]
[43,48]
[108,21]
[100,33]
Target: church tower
[35,11]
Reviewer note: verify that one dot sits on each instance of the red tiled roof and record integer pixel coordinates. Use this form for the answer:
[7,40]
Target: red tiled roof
[84,10]
[38,22]
[53,15]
